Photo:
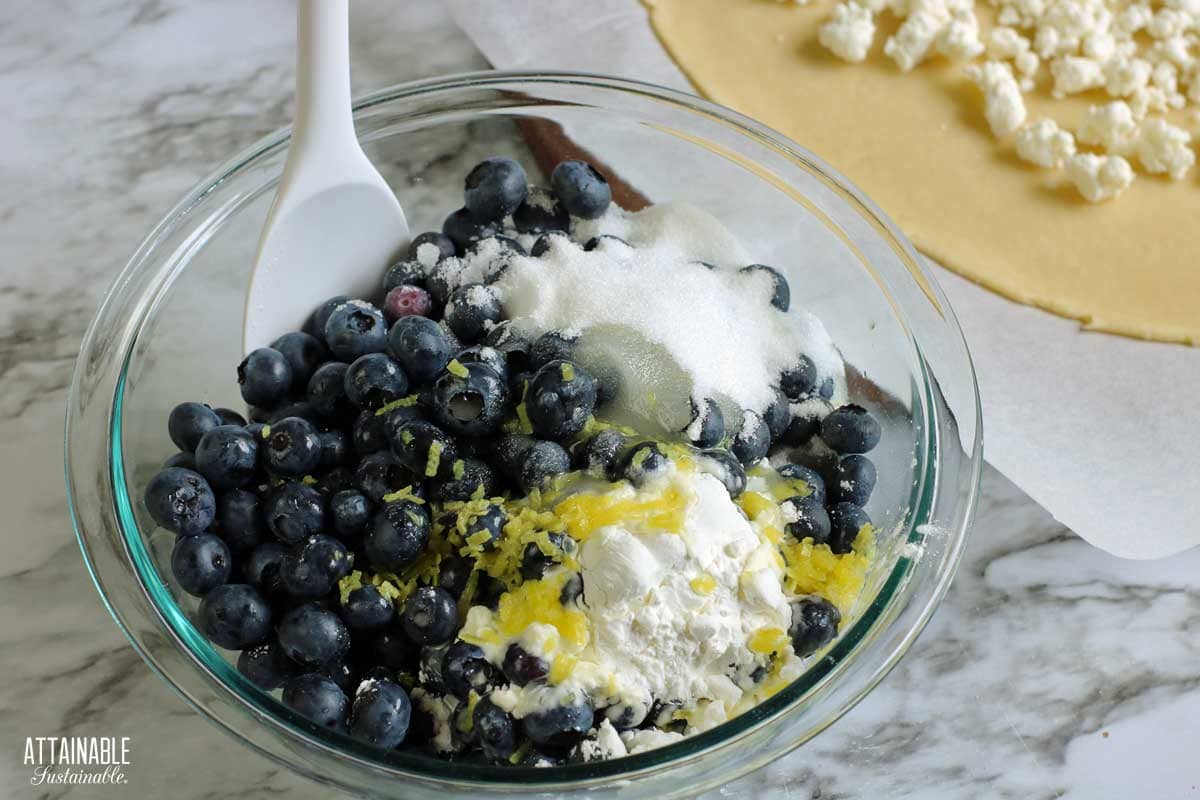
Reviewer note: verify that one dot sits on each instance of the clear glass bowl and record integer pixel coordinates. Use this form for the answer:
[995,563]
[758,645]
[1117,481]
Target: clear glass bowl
[169,330]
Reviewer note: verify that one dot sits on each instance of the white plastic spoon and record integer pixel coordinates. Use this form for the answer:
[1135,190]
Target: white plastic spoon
[335,224]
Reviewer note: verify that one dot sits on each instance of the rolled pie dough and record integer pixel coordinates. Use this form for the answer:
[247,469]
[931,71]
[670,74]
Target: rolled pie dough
[919,145]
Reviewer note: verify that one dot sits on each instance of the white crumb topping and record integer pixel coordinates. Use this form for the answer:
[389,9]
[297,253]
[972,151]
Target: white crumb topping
[1099,178]
[849,32]
[1165,148]
[1045,144]
[1003,105]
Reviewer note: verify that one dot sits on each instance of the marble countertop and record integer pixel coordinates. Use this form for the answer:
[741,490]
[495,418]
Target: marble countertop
[1051,670]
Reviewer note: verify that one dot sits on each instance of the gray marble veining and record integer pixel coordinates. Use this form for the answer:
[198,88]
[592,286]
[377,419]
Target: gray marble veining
[1052,670]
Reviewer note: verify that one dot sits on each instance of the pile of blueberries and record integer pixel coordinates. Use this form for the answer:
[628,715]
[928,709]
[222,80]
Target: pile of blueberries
[376,413]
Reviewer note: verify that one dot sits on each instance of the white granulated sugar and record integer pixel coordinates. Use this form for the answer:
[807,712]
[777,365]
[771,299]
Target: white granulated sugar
[427,255]
[657,320]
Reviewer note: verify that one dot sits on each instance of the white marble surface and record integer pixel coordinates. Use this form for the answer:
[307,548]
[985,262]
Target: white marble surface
[1051,670]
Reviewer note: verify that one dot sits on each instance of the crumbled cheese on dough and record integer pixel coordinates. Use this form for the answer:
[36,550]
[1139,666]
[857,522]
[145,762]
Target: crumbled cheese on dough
[1099,178]
[849,33]
[1075,74]
[1003,105]
[1045,144]
[1111,126]
[1165,148]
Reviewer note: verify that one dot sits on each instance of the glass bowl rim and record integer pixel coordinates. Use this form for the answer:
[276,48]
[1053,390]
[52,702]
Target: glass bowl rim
[786,701]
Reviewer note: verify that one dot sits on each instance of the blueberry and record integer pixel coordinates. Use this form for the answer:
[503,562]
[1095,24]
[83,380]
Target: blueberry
[643,462]
[430,616]
[535,562]
[380,474]
[825,389]
[184,460]
[266,666]
[418,246]
[442,280]
[552,346]
[304,353]
[572,590]
[781,294]
[392,649]
[398,536]
[350,512]
[600,454]
[374,380]
[335,448]
[407,301]
[707,425]
[488,356]
[814,624]
[354,329]
[255,429]
[522,667]
[200,563]
[604,240]
[294,512]
[497,248]
[366,608]
[560,727]
[547,241]
[854,480]
[495,730]
[408,272]
[188,422]
[753,440]
[301,408]
[847,520]
[180,500]
[326,391]
[315,566]
[421,446]
[723,465]
[292,448]
[540,462]
[627,716]
[335,480]
[541,212]
[805,422]
[850,429]
[430,670]
[495,188]
[227,456]
[316,698]
[463,229]
[234,616]
[380,714]
[811,520]
[472,309]
[420,346]
[264,566]
[453,573]
[487,528]
[469,399]
[315,324]
[229,417]
[798,381]
[341,672]
[467,477]
[581,189]
[264,377]
[508,452]
[777,415]
[560,399]
[511,345]
[810,477]
[367,433]
[466,670]
[313,636]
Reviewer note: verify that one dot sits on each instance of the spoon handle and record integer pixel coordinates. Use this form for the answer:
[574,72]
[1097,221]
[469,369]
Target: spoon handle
[323,74]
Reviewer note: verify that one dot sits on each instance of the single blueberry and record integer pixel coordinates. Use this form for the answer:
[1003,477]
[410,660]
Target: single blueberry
[453,574]
[304,353]
[581,189]
[560,399]
[380,474]
[777,415]
[489,356]
[326,391]
[465,669]
[418,246]
[495,188]
[354,329]
[541,212]
[335,480]
[188,422]
[552,346]
[367,432]
[335,448]
[753,440]
[847,522]
[560,727]
[511,344]
[707,425]
[300,408]
[294,512]
[724,466]
[315,324]
[547,241]
[469,399]
[180,500]
[487,528]
[825,389]
[797,382]
[535,561]
[316,698]
[781,294]
[264,377]
[391,649]
[572,590]
[184,460]
[540,462]
[495,730]
[264,566]
[234,616]
[467,477]
[292,448]
[407,301]
[200,563]
[462,228]
[421,447]
[471,310]
[227,457]
[643,462]
[380,714]
[314,567]
[851,429]
[341,672]
[814,624]
[398,536]
[810,477]
[313,636]
[374,380]
[350,512]
[600,454]
[408,272]
[229,417]
[430,616]
[266,665]
[508,452]
[805,422]
[429,670]
[854,480]
[421,347]
[808,519]
[522,667]
[366,609]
